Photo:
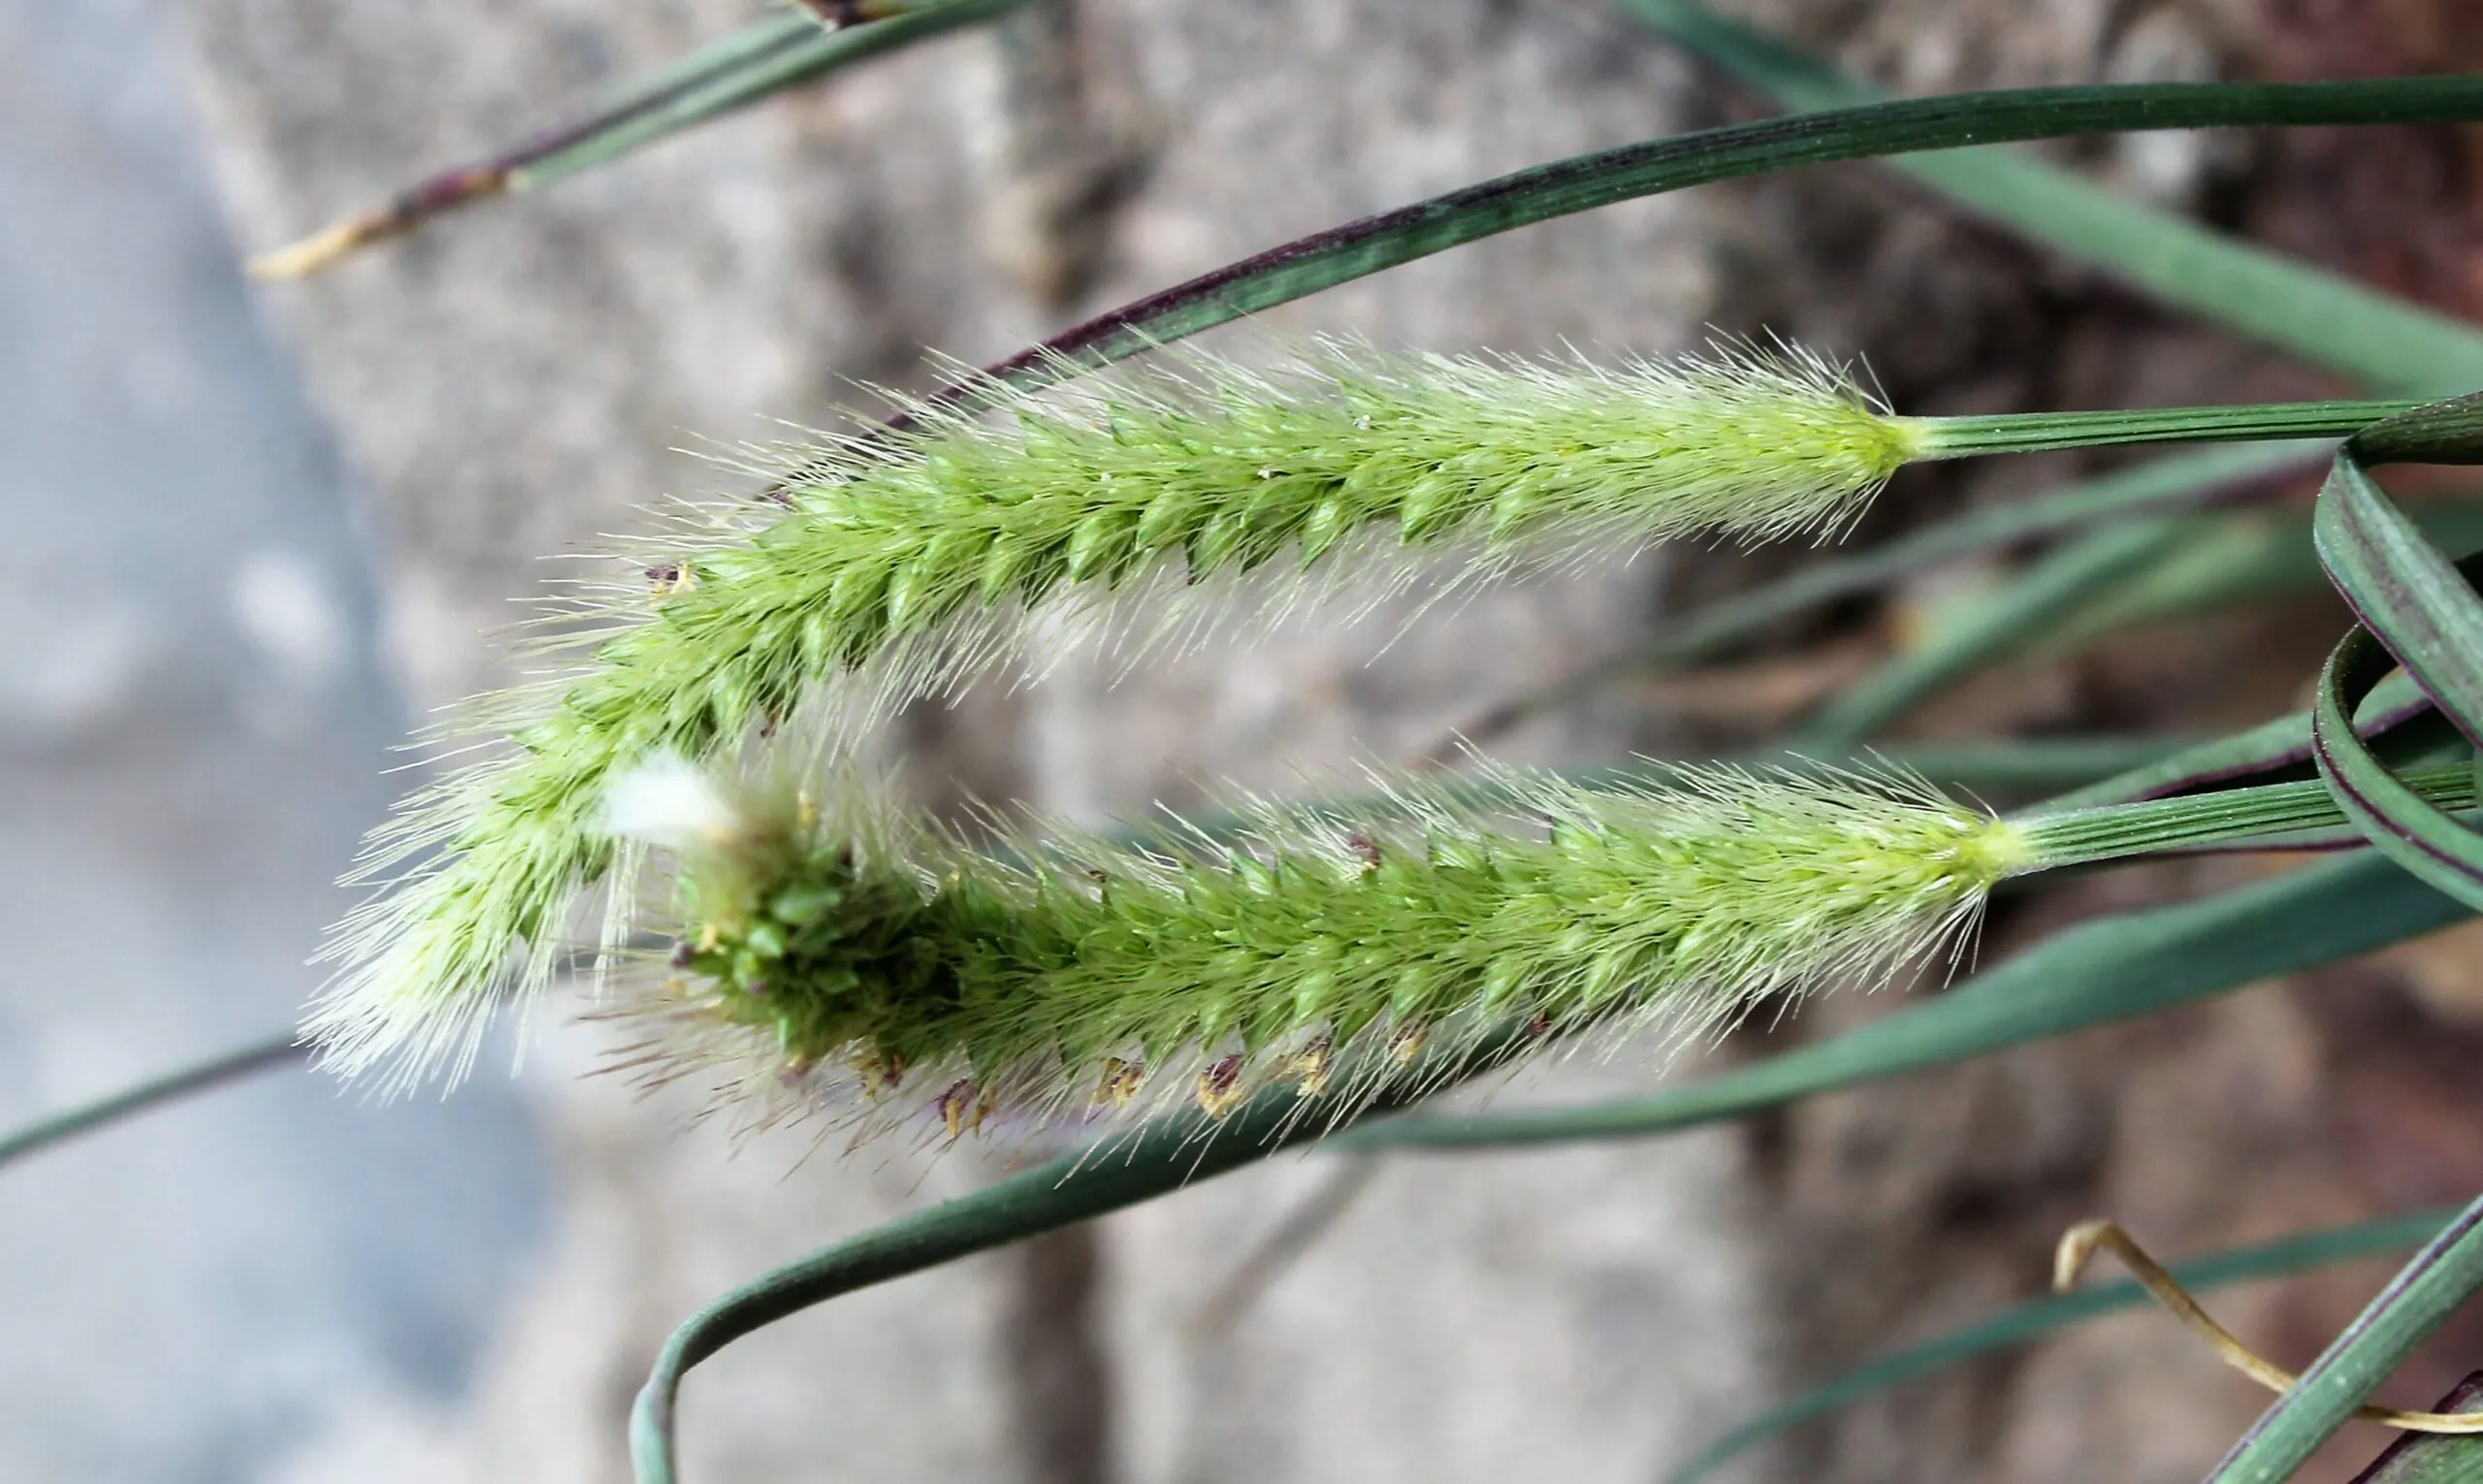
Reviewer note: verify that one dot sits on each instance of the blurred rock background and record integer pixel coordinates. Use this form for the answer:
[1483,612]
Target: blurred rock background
[192,727]
[209,652]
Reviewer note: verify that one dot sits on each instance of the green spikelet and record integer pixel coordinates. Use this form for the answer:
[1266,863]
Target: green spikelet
[902,567]
[875,967]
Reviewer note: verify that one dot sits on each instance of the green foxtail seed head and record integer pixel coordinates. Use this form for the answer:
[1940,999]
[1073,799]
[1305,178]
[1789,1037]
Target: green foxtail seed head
[901,565]
[835,957]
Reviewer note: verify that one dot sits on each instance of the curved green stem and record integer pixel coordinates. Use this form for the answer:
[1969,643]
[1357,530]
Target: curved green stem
[2206,820]
[2420,347]
[198,1077]
[1966,438]
[1159,1158]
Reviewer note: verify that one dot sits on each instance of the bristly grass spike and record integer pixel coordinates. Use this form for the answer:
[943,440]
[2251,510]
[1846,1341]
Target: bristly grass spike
[904,563]
[853,960]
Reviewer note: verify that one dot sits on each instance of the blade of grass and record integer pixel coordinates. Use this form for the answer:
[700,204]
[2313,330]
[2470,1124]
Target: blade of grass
[2302,1252]
[2121,967]
[1308,265]
[198,1077]
[2035,602]
[2270,747]
[2229,818]
[2418,609]
[2443,1275]
[2320,317]
[1988,433]
[1157,1159]
[2103,584]
[897,23]
[2244,556]
[2408,591]
[2206,563]
[748,66]
[2415,833]
[2158,487]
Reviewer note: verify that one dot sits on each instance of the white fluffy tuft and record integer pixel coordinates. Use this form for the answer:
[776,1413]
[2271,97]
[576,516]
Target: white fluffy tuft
[669,801]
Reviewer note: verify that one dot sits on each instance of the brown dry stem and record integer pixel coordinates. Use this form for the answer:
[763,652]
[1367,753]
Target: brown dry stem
[2080,1243]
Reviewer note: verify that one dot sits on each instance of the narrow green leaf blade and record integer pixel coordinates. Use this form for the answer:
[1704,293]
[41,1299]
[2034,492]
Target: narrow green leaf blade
[1305,265]
[2244,556]
[2410,829]
[1156,1160]
[2302,1252]
[2322,318]
[2036,604]
[2262,749]
[2118,968]
[2443,1275]
[760,74]
[2418,610]
[2433,1458]
[2100,585]
[748,66]
[284,1051]
[2157,487]
[2406,590]
[2449,431]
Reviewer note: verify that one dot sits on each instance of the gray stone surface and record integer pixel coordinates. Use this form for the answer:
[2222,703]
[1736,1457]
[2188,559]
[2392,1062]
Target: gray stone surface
[507,386]
[192,724]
